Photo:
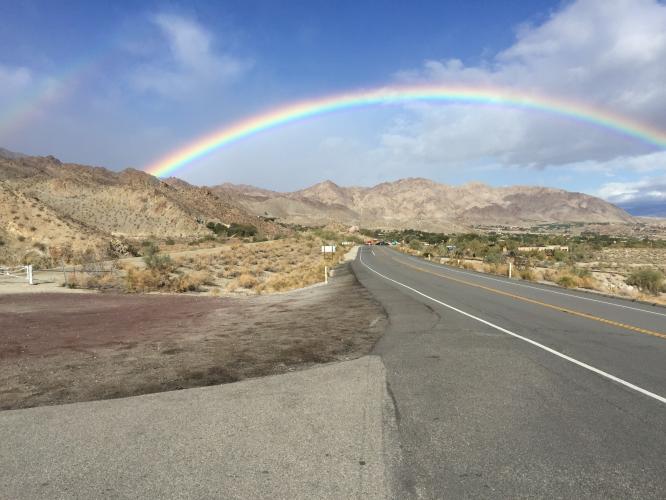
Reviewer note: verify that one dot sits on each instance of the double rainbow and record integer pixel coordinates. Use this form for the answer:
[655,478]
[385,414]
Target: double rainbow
[182,157]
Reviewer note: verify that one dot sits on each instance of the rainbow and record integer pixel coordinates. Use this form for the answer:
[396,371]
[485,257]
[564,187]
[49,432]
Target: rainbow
[49,92]
[182,157]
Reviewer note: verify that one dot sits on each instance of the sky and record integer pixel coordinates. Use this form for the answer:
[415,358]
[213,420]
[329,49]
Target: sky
[124,83]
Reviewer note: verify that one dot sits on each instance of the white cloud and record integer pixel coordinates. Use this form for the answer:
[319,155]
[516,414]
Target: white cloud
[188,59]
[13,79]
[609,53]
[639,164]
[646,190]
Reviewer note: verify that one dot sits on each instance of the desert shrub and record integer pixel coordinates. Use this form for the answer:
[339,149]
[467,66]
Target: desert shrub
[2,242]
[415,245]
[142,280]
[21,237]
[647,280]
[560,256]
[527,274]
[567,281]
[91,280]
[149,246]
[493,258]
[247,281]
[36,259]
[188,282]
[158,262]
[241,230]
[217,228]
[326,234]
[170,241]
[277,283]
[588,282]
[499,269]
[582,272]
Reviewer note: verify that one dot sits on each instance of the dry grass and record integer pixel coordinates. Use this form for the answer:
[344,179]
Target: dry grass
[238,268]
[527,274]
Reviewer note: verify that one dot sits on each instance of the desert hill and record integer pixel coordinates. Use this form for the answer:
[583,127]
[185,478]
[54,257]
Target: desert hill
[44,203]
[424,204]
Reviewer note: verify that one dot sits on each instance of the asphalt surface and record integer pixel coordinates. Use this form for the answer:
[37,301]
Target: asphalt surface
[506,389]
[325,432]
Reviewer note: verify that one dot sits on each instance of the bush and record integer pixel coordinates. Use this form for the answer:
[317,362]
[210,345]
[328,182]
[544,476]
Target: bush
[647,280]
[527,274]
[141,280]
[155,260]
[158,261]
[190,282]
[241,230]
[493,258]
[247,281]
[217,228]
[415,245]
[567,281]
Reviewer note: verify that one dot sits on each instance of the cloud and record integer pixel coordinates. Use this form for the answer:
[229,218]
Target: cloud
[14,79]
[608,53]
[646,196]
[643,190]
[185,60]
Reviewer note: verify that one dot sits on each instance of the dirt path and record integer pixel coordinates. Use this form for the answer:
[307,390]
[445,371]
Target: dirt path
[61,348]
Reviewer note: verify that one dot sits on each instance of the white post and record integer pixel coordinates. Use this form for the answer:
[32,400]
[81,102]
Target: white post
[326,275]
[30,274]
[509,269]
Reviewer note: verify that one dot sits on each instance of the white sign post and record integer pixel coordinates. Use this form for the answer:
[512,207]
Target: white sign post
[327,249]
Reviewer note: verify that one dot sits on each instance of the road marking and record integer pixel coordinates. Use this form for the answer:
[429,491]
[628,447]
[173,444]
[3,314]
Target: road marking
[373,252]
[591,368]
[538,302]
[514,283]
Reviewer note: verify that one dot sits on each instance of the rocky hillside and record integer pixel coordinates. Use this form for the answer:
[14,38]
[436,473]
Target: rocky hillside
[424,204]
[45,203]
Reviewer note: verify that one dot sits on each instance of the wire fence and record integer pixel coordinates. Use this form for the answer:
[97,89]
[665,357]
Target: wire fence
[66,275]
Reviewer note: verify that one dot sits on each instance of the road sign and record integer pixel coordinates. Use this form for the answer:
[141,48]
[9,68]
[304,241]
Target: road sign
[328,249]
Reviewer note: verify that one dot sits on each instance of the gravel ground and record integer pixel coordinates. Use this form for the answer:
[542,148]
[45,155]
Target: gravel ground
[64,348]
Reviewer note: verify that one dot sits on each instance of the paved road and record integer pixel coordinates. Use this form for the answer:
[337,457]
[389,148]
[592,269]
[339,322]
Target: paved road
[505,389]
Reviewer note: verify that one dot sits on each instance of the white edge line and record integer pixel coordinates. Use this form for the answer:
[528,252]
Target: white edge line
[444,267]
[537,344]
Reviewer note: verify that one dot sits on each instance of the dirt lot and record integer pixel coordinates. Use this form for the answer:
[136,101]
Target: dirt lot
[62,348]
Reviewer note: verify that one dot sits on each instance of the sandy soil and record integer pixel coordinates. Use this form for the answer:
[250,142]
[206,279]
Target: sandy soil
[61,348]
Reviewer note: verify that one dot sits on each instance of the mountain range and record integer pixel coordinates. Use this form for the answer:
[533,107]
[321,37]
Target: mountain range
[45,202]
[424,204]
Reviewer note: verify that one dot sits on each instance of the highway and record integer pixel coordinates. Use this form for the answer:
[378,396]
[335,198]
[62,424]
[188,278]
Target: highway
[509,389]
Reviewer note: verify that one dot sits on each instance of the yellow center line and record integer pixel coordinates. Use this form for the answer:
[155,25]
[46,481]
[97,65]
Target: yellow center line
[537,302]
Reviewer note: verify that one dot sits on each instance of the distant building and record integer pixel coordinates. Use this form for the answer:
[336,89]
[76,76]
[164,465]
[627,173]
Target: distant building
[547,248]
